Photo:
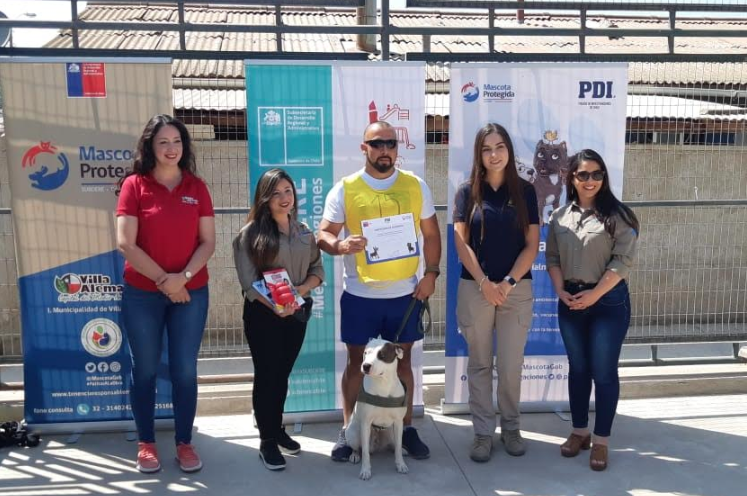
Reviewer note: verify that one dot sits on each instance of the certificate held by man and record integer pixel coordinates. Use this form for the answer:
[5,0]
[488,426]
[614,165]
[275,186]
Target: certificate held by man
[390,238]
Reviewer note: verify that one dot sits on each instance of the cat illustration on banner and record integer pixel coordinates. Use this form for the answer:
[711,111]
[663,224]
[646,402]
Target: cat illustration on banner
[550,168]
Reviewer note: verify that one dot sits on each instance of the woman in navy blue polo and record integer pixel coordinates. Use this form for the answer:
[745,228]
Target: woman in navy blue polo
[496,234]
[591,245]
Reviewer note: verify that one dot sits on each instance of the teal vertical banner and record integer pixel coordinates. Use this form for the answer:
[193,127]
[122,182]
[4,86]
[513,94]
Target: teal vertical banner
[289,119]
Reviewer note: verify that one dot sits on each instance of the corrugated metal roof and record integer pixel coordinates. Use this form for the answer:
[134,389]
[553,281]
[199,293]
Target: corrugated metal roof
[641,73]
[669,107]
[638,106]
[206,99]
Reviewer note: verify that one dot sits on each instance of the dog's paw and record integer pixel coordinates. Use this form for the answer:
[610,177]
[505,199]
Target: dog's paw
[355,457]
[365,474]
[402,468]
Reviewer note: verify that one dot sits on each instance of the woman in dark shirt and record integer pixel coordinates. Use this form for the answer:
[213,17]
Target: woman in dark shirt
[274,238]
[496,234]
[590,249]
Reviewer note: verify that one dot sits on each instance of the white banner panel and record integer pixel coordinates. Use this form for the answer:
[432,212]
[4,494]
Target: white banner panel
[364,92]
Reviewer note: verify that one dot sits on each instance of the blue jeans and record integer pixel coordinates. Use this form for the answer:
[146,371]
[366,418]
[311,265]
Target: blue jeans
[593,339]
[145,316]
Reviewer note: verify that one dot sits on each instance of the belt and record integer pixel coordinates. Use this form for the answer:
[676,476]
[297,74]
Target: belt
[578,286]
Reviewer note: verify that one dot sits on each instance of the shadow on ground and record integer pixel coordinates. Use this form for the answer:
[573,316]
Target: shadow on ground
[684,446]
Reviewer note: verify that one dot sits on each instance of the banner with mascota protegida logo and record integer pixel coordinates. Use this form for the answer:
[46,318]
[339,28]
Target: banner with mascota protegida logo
[71,128]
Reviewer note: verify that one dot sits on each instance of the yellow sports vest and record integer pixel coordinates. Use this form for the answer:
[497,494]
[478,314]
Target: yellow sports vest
[363,202]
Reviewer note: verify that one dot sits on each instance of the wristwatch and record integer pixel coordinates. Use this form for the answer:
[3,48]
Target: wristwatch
[188,275]
[510,280]
[433,269]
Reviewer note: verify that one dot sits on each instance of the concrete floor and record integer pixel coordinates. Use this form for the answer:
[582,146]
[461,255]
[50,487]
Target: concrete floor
[686,446]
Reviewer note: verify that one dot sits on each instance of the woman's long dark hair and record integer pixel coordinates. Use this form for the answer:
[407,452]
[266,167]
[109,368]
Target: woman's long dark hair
[511,177]
[605,202]
[264,235]
[145,159]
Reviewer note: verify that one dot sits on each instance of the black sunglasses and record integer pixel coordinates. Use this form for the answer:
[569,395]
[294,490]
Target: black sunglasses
[391,144]
[584,176]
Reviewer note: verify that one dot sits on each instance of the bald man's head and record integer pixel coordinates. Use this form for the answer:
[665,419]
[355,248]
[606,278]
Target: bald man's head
[376,126]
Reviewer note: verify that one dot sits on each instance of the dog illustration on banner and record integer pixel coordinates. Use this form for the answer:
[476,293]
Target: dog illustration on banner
[526,172]
[41,177]
[550,166]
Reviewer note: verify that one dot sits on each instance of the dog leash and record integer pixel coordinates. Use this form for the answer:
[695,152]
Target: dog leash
[425,309]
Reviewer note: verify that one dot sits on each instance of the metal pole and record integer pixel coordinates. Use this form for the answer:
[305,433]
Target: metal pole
[384,29]
[278,36]
[74,17]
[491,25]
[182,34]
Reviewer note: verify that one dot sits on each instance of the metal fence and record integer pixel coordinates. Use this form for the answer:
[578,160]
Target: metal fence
[690,283]
[685,171]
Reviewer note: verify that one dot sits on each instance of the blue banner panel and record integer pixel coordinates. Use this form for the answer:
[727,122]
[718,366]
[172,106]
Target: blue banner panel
[289,119]
[77,363]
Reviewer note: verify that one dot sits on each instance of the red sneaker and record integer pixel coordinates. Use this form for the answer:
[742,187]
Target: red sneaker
[147,458]
[189,460]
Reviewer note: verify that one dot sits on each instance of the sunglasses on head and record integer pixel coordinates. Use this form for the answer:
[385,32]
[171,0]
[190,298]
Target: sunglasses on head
[584,176]
[391,144]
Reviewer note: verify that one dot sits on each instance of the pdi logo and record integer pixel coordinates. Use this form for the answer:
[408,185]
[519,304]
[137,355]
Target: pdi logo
[598,89]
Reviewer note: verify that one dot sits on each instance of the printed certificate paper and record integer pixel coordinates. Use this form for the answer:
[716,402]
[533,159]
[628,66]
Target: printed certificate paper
[390,238]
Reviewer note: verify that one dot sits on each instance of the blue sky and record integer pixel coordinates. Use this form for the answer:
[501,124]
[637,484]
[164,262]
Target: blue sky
[36,10]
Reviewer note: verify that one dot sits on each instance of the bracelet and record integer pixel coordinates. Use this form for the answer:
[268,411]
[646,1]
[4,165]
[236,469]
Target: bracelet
[433,269]
[482,281]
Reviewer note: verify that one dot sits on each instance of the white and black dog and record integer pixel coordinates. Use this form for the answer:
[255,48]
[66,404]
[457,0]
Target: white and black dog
[380,409]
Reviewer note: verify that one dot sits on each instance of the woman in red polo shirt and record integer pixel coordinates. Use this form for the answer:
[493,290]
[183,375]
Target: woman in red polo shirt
[166,232]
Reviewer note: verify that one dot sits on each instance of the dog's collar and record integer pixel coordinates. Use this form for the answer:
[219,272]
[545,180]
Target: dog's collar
[383,401]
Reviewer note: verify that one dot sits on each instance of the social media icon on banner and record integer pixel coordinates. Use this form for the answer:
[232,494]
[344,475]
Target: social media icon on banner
[115,367]
[90,367]
[83,409]
[103,367]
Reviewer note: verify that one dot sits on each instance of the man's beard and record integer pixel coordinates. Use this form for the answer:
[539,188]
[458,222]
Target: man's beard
[381,167]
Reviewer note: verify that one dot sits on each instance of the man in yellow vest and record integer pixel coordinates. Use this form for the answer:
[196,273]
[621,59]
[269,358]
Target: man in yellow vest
[377,293]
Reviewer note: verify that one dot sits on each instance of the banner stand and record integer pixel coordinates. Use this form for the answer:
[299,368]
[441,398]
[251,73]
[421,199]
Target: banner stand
[71,125]
[551,111]
[418,411]
[308,117]
[525,407]
[161,424]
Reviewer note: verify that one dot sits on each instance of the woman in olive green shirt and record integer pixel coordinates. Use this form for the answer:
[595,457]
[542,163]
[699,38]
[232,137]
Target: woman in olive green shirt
[590,250]
[274,238]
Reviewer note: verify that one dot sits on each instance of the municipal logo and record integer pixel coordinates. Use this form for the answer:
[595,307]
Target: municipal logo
[49,167]
[101,337]
[470,93]
[73,287]
[68,284]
